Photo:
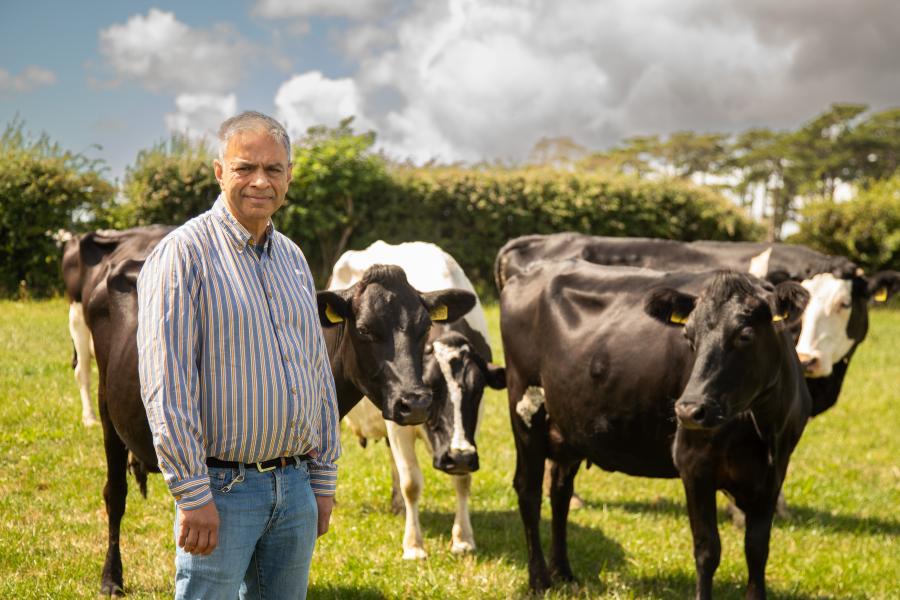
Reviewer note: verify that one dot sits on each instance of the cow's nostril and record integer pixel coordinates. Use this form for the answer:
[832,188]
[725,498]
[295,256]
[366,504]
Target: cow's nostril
[699,414]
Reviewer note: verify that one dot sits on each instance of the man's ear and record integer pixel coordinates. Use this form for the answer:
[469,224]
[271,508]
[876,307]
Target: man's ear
[669,306]
[335,306]
[790,302]
[445,306]
[883,284]
[218,169]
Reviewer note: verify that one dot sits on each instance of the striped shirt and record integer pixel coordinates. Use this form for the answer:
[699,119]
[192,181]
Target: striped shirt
[232,360]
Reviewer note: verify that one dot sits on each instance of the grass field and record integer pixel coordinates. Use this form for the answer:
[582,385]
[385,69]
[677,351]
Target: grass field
[631,541]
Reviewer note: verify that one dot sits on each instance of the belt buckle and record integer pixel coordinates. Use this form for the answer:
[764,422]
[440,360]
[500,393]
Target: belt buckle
[263,469]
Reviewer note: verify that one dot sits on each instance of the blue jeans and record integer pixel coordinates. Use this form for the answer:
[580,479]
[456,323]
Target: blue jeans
[267,532]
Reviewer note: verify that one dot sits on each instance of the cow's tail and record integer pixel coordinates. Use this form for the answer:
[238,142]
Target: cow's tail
[140,472]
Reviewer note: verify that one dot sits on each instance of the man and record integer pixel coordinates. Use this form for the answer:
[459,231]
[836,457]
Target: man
[236,381]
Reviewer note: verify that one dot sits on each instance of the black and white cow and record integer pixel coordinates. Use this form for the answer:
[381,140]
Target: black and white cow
[457,367]
[689,375]
[83,259]
[387,369]
[835,321]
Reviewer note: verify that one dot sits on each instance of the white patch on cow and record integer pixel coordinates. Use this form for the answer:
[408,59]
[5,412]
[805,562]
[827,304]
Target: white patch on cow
[759,265]
[444,354]
[427,268]
[84,349]
[823,338]
[530,403]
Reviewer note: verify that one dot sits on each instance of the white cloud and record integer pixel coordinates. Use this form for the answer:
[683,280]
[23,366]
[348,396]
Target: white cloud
[30,78]
[468,80]
[199,115]
[164,54]
[312,99]
[354,9]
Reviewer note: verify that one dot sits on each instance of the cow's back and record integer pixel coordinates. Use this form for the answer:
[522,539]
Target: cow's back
[609,372]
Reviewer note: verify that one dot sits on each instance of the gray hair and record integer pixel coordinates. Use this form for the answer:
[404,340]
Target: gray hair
[251,120]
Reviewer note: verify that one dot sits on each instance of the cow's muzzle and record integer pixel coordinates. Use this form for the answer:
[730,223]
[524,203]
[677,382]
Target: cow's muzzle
[698,414]
[408,409]
[457,463]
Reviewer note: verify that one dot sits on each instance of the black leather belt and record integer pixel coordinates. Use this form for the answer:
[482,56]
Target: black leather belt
[262,466]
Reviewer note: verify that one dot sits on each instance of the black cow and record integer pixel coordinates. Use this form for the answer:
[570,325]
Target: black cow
[834,323]
[392,374]
[595,360]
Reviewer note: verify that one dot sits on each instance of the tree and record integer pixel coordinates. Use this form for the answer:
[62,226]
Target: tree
[337,180]
[44,191]
[169,183]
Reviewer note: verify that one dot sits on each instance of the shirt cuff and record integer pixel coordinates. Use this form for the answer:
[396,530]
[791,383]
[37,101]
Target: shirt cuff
[322,478]
[191,493]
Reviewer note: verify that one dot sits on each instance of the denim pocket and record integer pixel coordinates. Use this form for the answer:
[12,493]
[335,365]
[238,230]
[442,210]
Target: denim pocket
[222,480]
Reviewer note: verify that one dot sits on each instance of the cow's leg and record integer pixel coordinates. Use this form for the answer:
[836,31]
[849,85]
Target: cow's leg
[531,449]
[403,448]
[562,483]
[114,493]
[81,338]
[397,504]
[701,505]
[756,549]
[463,540]
[576,503]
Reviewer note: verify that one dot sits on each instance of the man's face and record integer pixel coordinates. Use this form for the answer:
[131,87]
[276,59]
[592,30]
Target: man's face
[254,177]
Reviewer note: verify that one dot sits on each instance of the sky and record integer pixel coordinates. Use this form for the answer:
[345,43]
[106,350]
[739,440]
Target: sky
[445,80]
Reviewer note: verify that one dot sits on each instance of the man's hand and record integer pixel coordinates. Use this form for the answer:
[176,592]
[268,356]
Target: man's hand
[325,504]
[198,529]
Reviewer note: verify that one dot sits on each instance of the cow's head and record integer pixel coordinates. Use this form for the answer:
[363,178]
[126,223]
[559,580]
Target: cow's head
[836,319]
[734,330]
[386,324]
[457,376]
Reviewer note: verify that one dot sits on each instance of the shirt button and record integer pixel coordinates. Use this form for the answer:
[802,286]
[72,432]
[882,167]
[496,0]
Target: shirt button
[294,391]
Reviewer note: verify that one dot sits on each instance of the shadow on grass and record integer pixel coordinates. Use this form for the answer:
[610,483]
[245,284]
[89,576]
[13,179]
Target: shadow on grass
[800,516]
[499,536]
[671,586]
[340,592]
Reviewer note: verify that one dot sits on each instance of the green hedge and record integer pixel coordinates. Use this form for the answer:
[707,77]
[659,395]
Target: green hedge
[43,191]
[866,229]
[472,213]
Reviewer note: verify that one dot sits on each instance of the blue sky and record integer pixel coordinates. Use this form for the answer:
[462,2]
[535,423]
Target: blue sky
[456,80]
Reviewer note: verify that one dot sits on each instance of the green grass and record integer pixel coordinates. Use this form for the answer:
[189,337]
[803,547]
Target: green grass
[631,541]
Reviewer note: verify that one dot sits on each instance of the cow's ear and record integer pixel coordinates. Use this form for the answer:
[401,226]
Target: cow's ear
[790,302]
[669,306]
[123,276]
[883,285]
[495,376]
[335,306]
[445,306]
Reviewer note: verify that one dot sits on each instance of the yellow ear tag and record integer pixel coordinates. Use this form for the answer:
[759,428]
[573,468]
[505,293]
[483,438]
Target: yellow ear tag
[332,316]
[881,295]
[677,319]
[439,313]
[777,318]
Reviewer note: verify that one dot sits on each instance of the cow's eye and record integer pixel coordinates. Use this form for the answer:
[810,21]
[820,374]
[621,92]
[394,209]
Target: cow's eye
[845,305]
[365,333]
[744,337]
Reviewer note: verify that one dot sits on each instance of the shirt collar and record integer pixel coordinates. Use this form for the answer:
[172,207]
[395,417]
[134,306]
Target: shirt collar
[240,237]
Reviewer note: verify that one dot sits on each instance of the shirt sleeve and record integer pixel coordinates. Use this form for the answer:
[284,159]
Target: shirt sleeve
[323,469]
[167,340]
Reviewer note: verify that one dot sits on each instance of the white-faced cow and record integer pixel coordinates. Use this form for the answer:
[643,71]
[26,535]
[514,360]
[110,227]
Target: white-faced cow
[389,372]
[689,375]
[835,321]
[457,367]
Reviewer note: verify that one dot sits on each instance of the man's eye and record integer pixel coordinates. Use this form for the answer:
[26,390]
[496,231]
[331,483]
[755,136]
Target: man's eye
[243,169]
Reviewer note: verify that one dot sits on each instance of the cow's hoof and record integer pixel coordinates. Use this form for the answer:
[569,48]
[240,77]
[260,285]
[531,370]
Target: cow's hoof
[461,547]
[575,502]
[414,554]
[539,583]
[564,575]
[111,590]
